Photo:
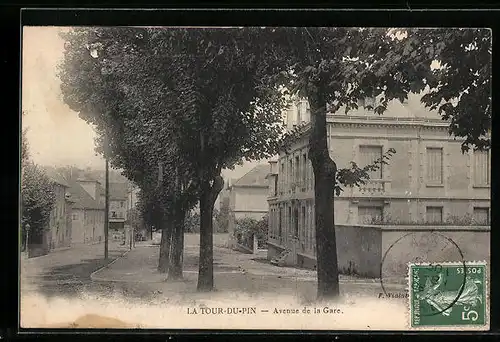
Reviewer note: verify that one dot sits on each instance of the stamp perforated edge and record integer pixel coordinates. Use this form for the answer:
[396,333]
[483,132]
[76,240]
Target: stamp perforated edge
[484,327]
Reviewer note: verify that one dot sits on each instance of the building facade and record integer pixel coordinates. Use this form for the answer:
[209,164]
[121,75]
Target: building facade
[88,210]
[60,225]
[118,205]
[427,181]
[247,196]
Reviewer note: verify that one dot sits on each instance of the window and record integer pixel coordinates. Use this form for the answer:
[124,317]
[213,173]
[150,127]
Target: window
[290,172]
[365,102]
[435,165]
[304,171]
[368,155]
[481,216]
[370,214]
[299,113]
[296,222]
[297,169]
[283,173]
[122,203]
[280,222]
[75,216]
[304,228]
[288,228]
[481,168]
[276,182]
[434,214]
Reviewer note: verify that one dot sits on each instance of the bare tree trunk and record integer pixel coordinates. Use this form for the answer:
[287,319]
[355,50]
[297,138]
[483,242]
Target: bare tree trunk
[177,250]
[207,200]
[324,169]
[165,245]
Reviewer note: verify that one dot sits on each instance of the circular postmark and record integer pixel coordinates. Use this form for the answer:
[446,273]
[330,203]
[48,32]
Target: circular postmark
[431,251]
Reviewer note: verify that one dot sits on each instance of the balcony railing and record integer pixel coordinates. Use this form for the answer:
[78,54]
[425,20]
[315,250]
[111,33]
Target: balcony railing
[373,187]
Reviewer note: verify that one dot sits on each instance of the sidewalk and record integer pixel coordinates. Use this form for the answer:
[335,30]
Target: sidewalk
[233,271]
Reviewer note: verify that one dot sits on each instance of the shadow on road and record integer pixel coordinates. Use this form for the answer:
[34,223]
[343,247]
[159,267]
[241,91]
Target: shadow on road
[73,280]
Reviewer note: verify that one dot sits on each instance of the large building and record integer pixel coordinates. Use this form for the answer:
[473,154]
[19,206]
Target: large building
[427,181]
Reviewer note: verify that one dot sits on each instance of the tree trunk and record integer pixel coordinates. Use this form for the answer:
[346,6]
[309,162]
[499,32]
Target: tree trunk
[324,169]
[207,201]
[177,250]
[165,245]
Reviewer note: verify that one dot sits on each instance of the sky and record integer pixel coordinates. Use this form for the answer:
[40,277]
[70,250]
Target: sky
[56,135]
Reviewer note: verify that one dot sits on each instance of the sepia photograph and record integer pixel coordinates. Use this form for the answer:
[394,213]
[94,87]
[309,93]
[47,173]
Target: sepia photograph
[255,178]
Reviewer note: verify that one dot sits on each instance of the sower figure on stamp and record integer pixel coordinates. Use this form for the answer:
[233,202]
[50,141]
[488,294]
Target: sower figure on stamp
[442,300]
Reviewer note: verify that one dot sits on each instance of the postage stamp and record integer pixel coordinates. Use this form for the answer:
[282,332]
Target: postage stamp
[448,295]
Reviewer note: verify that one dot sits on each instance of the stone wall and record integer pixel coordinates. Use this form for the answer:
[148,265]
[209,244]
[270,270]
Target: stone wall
[369,250]
[432,244]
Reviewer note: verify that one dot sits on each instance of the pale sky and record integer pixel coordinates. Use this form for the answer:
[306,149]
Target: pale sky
[56,135]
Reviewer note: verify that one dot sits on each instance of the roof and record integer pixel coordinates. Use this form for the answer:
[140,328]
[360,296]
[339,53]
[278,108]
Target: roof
[256,177]
[118,191]
[55,176]
[114,176]
[82,198]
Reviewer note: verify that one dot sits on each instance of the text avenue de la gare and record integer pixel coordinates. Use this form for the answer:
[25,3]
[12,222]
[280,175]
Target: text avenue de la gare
[254,311]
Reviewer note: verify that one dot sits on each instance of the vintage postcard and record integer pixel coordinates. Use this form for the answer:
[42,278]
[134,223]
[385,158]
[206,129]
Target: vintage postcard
[283,178]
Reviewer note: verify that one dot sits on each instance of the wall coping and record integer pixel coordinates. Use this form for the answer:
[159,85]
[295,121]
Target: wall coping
[413,228]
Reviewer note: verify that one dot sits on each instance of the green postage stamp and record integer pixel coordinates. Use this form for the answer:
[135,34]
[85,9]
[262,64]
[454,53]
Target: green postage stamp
[446,295]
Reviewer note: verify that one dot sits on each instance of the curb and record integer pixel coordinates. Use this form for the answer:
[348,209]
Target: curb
[92,275]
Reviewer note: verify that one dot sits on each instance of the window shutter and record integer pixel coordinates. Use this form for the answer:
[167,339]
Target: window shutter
[435,165]
[481,168]
[368,155]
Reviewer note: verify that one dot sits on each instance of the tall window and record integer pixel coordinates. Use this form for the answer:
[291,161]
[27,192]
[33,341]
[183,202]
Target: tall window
[304,228]
[288,228]
[369,154]
[276,182]
[434,165]
[280,222]
[304,171]
[282,182]
[290,172]
[434,214]
[481,216]
[481,168]
[296,222]
[297,169]
[370,214]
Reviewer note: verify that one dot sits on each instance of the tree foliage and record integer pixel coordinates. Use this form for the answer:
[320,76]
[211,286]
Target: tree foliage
[38,198]
[335,67]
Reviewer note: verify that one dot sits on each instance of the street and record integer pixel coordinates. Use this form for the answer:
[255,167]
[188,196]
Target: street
[67,273]
[72,285]
[133,274]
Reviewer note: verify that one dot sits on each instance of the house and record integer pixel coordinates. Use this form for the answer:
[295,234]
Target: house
[247,196]
[118,205]
[427,181]
[58,232]
[88,210]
